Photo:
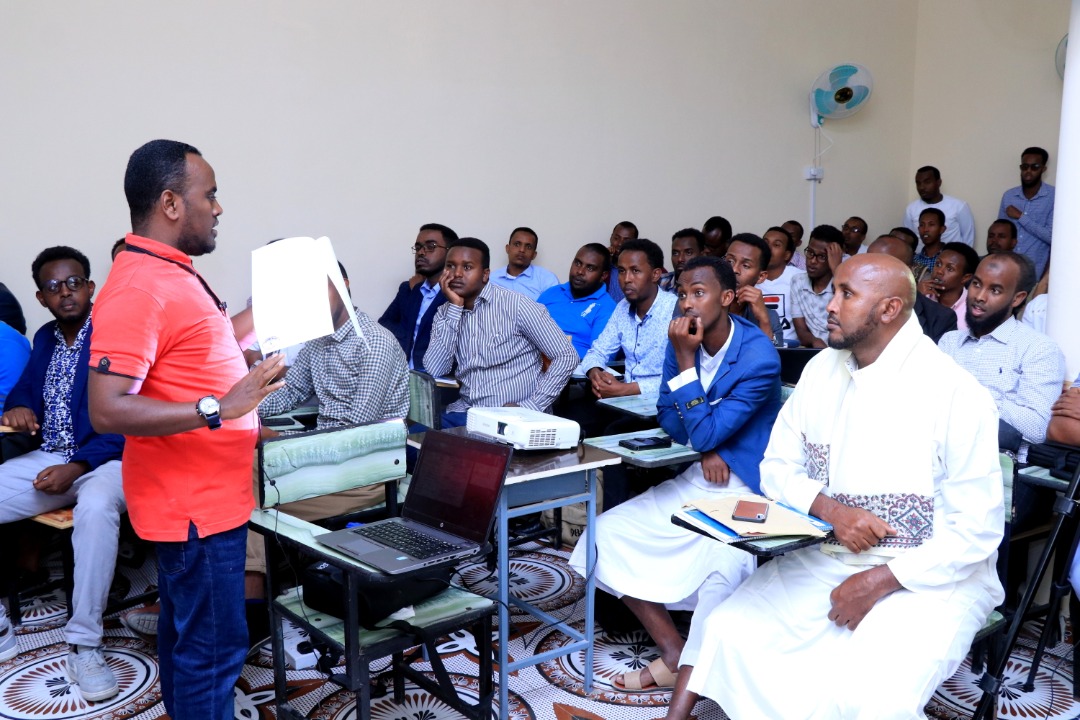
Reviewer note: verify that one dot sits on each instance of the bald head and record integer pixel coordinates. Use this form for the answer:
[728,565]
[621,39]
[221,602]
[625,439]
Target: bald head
[892,245]
[873,298]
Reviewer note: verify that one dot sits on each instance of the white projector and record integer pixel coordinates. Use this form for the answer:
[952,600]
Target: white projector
[523,428]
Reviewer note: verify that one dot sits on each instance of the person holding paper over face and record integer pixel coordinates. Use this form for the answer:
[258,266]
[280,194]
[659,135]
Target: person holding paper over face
[892,604]
[720,393]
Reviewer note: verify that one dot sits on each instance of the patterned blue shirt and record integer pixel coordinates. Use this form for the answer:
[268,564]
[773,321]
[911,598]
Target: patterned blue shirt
[57,434]
[1036,226]
[1023,370]
[644,341]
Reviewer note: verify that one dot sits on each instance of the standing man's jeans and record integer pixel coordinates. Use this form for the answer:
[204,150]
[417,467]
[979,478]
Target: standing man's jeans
[202,630]
[98,497]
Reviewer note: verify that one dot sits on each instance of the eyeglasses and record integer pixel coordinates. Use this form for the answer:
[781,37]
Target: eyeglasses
[74,283]
[1030,166]
[428,247]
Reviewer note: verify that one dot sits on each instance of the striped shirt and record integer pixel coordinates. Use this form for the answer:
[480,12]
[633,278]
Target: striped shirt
[644,341]
[356,380]
[494,351]
[1023,370]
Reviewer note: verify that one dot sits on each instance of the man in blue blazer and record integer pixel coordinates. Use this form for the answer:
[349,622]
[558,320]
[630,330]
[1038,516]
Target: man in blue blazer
[410,314]
[74,465]
[720,394]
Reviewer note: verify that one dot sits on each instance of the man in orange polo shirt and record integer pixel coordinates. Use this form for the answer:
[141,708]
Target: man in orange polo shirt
[172,379]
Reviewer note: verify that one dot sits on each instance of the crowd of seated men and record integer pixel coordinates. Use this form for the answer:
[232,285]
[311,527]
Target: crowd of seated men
[703,338]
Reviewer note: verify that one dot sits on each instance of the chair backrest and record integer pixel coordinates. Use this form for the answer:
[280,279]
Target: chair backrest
[1008,475]
[424,405]
[304,465]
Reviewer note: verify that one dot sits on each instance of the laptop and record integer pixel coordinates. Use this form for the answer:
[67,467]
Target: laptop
[447,514]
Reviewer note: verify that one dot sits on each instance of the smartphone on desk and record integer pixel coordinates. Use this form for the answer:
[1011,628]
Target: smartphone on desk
[645,443]
[750,511]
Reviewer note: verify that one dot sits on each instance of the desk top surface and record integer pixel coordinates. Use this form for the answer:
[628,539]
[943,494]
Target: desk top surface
[658,457]
[529,465]
[639,405]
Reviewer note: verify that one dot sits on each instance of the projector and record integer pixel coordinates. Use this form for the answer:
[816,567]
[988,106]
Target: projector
[523,428]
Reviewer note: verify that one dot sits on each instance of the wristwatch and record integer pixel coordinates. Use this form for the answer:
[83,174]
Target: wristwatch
[210,410]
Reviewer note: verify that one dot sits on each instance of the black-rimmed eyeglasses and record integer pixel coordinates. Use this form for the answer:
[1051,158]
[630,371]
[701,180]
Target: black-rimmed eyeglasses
[428,247]
[74,283]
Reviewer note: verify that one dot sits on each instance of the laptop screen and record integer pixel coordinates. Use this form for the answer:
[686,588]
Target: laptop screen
[456,483]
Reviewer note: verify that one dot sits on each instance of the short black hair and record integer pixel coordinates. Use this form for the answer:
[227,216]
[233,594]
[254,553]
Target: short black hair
[1026,281]
[856,217]
[448,236]
[789,236]
[1037,151]
[629,226]
[797,224]
[699,237]
[157,166]
[600,250]
[909,235]
[652,251]
[724,272]
[529,230]
[971,258]
[717,222]
[936,212]
[827,233]
[476,244]
[58,252]
[753,240]
[930,169]
[341,267]
[118,245]
[1010,223]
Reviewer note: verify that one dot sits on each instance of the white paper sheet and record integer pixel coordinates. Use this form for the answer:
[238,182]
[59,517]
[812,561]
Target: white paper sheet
[290,303]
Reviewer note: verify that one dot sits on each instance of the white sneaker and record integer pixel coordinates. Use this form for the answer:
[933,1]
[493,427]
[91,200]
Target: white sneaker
[86,668]
[142,620]
[9,643]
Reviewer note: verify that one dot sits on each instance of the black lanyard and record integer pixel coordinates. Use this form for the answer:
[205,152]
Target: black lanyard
[220,305]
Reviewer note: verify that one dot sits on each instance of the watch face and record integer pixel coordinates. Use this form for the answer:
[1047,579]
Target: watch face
[209,406]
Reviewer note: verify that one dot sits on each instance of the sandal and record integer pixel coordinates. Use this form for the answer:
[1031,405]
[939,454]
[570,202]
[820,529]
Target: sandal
[662,678]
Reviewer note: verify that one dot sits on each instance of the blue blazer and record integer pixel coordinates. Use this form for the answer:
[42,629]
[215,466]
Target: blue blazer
[400,319]
[736,415]
[94,449]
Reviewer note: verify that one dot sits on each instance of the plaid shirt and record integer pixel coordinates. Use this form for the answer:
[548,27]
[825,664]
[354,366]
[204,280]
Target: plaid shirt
[356,379]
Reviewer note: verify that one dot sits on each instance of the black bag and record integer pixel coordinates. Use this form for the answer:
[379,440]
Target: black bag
[380,595]
[1060,460]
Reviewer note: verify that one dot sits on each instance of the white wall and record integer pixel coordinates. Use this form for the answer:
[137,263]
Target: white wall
[362,120]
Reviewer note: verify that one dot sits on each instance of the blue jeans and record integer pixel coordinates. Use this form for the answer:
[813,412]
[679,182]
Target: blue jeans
[202,630]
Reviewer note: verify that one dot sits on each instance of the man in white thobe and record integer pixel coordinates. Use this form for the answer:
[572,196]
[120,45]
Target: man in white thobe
[868,625]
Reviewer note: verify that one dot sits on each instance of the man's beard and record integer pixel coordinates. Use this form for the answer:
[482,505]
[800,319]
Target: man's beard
[987,323]
[856,336]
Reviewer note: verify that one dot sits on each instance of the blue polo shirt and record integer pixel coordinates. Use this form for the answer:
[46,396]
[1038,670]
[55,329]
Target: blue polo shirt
[583,319]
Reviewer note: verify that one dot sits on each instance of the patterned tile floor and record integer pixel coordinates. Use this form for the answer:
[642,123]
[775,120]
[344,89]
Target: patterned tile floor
[33,685]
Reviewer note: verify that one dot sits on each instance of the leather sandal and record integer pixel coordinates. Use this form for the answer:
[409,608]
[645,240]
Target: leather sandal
[662,678]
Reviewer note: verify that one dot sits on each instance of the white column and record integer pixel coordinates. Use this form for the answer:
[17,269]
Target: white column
[1065,252]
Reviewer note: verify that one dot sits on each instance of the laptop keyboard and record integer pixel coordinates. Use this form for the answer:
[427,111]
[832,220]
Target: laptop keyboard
[404,538]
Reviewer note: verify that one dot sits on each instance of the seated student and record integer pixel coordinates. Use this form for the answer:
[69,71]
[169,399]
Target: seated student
[638,326]
[581,307]
[812,290]
[749,256]
[520,274]
[1001,236]
[854,231]
[11,311]
[493,340]
[410,314]
[1022,368]
[642,557]
[909,237]
[917,512]
[934,319]
[622,232]
[717,232]
[74,464]
[794,228]
[931,228]
[685,244]
[14,352]
[947,284]
[777,283]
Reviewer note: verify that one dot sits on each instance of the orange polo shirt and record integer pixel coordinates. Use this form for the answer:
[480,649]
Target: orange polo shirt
[156,322]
